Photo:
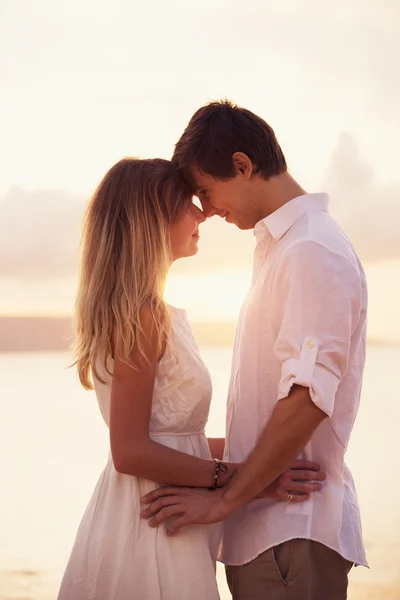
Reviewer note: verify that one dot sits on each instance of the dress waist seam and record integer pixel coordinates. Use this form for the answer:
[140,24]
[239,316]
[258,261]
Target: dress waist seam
[175,434]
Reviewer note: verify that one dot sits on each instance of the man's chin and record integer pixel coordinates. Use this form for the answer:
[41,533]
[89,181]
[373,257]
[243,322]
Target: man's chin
[229,218]
[241,225]
[244,227]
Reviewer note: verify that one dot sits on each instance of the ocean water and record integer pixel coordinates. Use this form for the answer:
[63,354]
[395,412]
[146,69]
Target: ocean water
[54,444]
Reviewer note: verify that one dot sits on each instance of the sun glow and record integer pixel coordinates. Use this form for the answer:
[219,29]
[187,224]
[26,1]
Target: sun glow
[213,296]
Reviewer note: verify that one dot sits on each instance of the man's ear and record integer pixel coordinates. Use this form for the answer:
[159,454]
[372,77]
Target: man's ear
[242,165]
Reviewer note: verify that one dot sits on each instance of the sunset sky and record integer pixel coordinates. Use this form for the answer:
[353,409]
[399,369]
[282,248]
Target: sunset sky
[85,83]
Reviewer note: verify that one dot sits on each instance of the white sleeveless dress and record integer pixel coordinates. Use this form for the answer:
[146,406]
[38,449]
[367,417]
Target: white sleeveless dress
[117,555]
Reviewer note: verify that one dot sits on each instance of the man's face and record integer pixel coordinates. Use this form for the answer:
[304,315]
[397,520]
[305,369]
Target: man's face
[226,198]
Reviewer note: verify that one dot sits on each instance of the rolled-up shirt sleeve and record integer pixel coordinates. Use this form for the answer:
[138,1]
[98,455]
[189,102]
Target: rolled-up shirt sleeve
[317,303]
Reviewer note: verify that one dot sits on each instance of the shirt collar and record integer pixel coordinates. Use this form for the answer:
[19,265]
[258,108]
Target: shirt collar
[279,222]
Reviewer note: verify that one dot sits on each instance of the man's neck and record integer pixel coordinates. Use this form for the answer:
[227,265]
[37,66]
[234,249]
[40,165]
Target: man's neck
[276,192]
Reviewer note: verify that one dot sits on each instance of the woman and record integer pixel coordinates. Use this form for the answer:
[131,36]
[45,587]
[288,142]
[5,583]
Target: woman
[153,391]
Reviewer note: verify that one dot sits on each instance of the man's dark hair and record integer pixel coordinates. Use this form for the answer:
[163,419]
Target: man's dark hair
[218,130]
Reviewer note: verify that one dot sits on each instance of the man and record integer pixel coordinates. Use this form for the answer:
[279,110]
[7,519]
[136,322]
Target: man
[297,368]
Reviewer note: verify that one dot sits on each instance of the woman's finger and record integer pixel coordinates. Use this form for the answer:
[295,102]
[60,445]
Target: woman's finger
[305,487]
[296,498]
[299,475]
[305,464]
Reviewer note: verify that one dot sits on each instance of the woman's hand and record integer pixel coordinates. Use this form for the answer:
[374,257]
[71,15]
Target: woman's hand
[297,483]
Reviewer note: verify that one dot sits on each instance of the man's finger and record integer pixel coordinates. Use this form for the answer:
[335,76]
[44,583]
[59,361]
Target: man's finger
[166,513]
[177,524]
[159,493]
[158,505]
[305,464]
[299,475]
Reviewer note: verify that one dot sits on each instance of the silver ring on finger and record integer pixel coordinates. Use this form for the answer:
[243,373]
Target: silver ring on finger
[289,497]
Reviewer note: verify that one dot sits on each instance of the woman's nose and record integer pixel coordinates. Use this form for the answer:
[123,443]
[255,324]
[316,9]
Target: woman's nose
[199,214]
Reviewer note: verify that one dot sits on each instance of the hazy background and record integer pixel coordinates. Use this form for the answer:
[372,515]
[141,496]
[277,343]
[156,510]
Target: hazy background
[84,83]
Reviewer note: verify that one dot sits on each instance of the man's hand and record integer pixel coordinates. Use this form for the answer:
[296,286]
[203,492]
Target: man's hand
[300,481]
[187,506]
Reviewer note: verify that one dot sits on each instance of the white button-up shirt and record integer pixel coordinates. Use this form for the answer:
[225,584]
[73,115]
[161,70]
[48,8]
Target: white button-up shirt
[303,322]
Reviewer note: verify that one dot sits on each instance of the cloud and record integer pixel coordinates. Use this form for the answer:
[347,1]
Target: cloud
[40,230]
[368,210]
[350,48]
[39,234]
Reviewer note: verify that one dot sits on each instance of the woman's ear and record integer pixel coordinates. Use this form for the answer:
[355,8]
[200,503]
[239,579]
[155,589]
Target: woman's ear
[242,165]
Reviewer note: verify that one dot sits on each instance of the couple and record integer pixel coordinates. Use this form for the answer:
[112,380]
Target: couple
[291,528]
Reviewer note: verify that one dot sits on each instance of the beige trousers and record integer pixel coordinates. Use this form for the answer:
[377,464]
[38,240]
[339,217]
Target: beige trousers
[295,570]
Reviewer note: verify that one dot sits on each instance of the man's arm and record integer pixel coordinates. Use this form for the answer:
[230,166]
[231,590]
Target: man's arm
[289,429]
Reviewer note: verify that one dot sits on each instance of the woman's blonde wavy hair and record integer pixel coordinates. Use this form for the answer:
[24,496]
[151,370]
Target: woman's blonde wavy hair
[125,258]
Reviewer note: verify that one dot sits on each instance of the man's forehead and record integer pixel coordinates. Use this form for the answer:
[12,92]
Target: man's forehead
[197,177]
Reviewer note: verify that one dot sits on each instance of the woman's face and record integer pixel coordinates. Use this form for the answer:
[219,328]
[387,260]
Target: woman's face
[185,233]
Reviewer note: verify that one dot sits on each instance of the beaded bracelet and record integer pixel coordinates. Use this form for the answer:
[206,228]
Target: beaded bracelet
[220,467]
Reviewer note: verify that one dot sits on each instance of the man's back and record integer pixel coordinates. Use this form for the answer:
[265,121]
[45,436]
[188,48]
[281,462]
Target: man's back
[303,322]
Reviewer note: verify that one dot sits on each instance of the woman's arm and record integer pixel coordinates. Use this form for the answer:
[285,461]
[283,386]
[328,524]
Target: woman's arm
[300,480]
[133,451]
[217,446]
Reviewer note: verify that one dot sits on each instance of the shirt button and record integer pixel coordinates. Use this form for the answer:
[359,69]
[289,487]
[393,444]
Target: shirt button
[311,344]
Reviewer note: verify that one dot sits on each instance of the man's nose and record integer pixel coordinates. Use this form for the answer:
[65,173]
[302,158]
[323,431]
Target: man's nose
[208,209]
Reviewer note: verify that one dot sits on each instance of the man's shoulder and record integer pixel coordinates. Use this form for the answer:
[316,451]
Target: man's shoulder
[320,237]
